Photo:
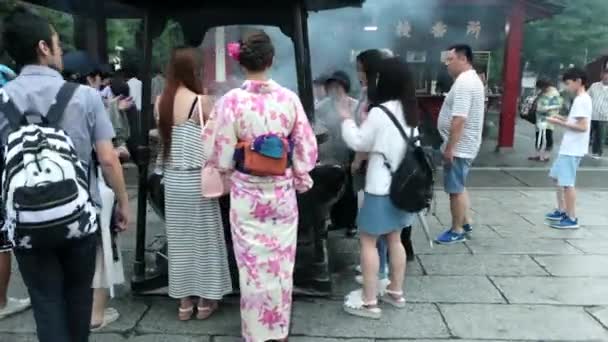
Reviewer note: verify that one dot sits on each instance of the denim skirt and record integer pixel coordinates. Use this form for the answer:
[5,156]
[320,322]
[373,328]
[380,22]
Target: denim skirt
[378,216]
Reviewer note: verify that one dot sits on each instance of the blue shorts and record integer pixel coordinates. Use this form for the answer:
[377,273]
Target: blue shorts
[455,175]
[564,170]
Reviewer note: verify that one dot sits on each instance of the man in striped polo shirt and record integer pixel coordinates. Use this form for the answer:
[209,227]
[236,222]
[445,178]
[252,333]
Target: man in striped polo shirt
[460,125]
[599,96]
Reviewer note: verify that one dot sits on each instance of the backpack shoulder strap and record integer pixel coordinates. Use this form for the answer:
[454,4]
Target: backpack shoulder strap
[11,112]
[65,94]
[396,123]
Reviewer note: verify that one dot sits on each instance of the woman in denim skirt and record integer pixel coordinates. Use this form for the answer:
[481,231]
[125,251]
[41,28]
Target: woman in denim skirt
[378,216]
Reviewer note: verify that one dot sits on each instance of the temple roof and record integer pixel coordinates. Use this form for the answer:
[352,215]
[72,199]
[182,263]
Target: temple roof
[133,8]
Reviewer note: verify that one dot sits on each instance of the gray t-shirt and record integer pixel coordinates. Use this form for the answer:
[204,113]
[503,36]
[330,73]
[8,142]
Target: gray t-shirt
[465,99]
[85,119]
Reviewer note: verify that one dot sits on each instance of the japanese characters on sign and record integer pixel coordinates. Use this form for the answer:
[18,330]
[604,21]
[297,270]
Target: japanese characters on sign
[439,29]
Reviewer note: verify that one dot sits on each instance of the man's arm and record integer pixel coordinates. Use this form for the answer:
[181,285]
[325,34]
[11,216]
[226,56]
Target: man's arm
[112,170]
[456,130]
[108,158]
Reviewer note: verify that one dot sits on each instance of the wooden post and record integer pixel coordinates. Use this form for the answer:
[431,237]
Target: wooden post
[302,52]
[512,74]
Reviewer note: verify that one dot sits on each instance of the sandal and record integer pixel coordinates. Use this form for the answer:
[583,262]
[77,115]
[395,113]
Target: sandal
[394,298]
[185,314]
[204,312]
[110,315]
[356,306]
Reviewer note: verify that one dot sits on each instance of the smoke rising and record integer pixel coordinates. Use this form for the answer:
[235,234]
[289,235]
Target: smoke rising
[337,36]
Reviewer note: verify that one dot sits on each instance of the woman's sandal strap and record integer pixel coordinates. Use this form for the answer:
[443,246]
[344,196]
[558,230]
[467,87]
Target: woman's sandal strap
[394,293]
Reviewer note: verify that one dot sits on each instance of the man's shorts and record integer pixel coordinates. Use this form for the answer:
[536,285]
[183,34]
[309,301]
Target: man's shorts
[564,170]
[455,175]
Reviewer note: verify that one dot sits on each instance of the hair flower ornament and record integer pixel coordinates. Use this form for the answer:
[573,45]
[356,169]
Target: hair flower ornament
[234,50]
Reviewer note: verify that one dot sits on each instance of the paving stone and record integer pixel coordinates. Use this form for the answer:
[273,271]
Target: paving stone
[600,313]
[494,322]
[448,340]
[297,339]
[575,265]
[551,290]
[6,337]
[500,265]
[541,231]
[451,289]
[591,246]
[161,318]
[522,246]
[325,319]
[22,323]
[110,338]
[498,216]
[169,338]
[599,232]
[131,310]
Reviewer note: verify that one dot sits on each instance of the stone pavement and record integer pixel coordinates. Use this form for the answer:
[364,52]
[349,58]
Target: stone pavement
[516,280]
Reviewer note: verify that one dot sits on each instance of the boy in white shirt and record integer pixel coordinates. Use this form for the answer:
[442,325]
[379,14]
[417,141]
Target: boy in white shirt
[575,144]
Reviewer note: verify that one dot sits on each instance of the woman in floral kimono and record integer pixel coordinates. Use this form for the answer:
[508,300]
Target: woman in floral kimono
[264,212]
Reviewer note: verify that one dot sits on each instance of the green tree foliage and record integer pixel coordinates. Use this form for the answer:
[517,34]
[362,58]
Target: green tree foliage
[576,36]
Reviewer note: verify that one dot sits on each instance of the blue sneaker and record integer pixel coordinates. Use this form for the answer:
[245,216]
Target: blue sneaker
[468,228]
[450,237]
[557,215]
[565,223]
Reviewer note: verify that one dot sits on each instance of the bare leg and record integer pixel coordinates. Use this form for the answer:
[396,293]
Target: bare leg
[397,260]
[561,205]
[370,263]
[458,207]
[570,201]
[5,276]
[100,300]
[467,206]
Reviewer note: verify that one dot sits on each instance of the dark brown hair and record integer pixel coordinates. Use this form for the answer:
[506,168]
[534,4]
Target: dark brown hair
[396,82]
[256,52]
[182,71]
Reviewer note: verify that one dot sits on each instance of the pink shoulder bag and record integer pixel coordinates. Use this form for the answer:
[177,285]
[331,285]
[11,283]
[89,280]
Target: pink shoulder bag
[213,183]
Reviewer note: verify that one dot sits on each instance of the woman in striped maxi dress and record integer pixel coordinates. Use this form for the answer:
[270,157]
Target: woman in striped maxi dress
[198,261]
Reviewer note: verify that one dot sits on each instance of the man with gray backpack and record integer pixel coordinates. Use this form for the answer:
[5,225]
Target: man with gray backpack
[49,129]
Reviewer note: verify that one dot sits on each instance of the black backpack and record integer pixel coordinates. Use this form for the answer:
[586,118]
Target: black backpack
[412,183]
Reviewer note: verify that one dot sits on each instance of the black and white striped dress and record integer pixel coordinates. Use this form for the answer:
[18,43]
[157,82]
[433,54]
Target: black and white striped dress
[198,261]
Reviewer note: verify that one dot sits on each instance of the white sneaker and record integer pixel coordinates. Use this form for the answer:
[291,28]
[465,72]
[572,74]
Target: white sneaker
[13,306]
[382,283]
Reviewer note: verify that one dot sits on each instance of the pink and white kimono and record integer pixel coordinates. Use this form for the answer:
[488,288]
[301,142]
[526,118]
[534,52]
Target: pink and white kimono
[264,211]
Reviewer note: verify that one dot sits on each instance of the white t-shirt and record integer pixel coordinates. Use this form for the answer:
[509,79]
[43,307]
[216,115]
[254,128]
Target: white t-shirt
[135,86]
[465,99]
[379,136]
[577,143]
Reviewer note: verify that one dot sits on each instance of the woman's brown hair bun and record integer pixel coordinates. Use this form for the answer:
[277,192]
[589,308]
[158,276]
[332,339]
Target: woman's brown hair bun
[256,52]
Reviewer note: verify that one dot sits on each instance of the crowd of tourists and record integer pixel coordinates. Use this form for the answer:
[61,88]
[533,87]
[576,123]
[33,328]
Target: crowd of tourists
[64,197]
